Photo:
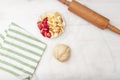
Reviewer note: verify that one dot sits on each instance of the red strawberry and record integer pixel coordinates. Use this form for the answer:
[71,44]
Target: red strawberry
[45,19]
[48,35]
[46,26]
[43,33]
[45,29]
[40,25]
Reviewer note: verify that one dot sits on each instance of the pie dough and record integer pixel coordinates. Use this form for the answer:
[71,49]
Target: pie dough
[61,52]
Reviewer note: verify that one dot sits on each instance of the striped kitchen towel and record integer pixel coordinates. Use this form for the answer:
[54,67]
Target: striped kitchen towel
[20,52]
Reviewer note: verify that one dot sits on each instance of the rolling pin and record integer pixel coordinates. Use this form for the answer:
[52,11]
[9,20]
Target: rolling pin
[89,15]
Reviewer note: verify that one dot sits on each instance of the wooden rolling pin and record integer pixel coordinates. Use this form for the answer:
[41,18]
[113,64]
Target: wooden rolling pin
[89,15]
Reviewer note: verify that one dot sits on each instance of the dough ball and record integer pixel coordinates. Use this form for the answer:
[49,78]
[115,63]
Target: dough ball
[61,52]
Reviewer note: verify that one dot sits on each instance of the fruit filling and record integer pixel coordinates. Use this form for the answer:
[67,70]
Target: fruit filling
[44,27]
[51,25]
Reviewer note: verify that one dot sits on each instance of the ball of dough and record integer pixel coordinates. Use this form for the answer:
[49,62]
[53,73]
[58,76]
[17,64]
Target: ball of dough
[61,52]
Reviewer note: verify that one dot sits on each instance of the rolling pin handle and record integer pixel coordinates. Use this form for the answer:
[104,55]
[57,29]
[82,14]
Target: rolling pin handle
[113,28]
[64,2]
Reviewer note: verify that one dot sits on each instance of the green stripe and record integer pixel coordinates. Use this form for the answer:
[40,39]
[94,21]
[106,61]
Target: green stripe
[19,54]
[9,71]
[5,31]
[8,64]
[28,36]
[17,60]
[2,36]
[25,42]
[22,48]
[16,25]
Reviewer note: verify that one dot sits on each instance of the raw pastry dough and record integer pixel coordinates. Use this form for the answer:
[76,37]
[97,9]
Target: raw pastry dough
[61,52]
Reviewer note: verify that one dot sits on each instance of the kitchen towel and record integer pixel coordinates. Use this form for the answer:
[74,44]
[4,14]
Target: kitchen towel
[20,52]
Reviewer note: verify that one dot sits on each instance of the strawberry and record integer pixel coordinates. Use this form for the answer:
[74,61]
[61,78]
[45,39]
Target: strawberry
[45,19]
[40,25]
[48,35]
[44,27]
[43,33]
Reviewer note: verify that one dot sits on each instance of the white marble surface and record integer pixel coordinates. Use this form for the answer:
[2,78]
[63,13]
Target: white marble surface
[95,53]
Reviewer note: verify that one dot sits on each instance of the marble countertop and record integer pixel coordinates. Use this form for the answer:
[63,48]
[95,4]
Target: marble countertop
[95,53]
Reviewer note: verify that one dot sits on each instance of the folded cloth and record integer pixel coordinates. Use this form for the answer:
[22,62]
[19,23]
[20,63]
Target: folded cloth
[20,52]
[1,39]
